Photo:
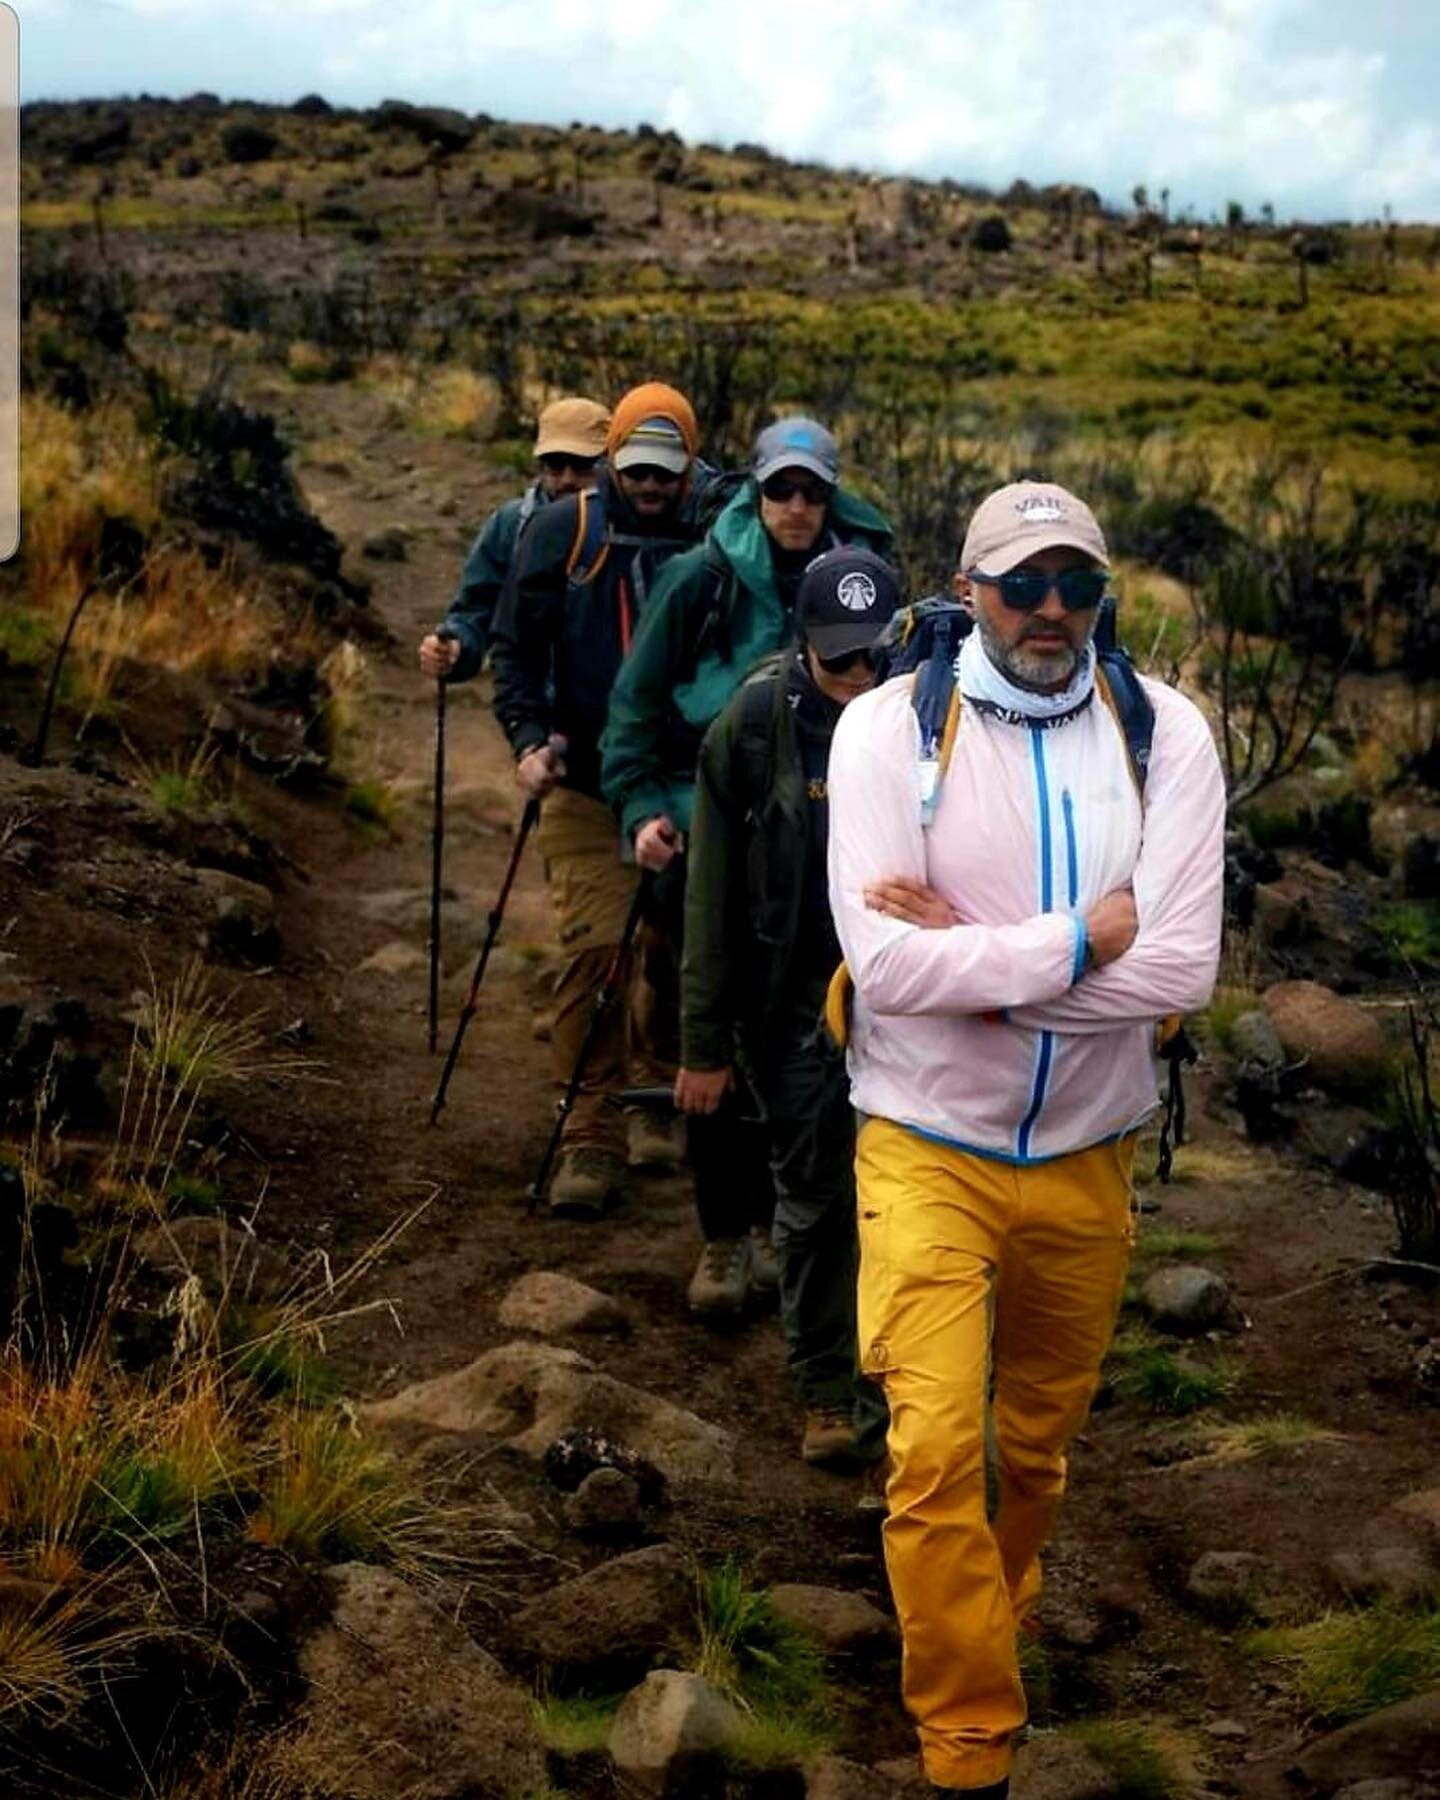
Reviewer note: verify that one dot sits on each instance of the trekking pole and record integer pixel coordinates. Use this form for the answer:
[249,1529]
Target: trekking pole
[605,998]
[528,821]
[437,854]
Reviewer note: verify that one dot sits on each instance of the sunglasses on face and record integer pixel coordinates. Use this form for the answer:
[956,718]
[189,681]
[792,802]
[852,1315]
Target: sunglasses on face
[653,474]
[1022,590]
[847,660]
[783,487]
[558,462]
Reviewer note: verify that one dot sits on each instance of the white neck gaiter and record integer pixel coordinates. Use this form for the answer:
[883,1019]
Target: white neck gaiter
[993,692]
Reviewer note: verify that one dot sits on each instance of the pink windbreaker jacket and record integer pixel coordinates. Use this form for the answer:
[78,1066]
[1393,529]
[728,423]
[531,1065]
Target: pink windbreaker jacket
[1032,828]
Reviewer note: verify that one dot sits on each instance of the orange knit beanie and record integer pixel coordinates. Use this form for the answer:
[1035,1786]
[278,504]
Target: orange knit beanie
[652,400]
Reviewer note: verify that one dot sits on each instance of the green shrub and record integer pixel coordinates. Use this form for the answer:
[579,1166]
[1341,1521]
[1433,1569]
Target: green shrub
[1138,1768]
[1349,1664]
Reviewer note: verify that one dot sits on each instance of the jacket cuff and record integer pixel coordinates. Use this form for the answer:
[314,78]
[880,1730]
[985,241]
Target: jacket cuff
[640,808]
[706,1048]
[1081,959]
[527,737]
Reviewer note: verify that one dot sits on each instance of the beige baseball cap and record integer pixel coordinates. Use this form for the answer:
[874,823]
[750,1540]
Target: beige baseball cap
[1016,521]
[572,427]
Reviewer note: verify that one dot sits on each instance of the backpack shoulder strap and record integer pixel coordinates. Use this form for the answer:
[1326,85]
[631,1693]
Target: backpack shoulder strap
[935,697]
[1121,691]
[761,693]
[591,544]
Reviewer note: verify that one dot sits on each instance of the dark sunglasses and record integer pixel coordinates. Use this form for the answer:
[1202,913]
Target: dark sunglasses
[558,462]
[783,487]
[847,660]
[1022,590]
[652,472]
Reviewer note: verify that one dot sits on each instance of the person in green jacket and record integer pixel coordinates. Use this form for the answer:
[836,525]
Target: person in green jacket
[714,613]
[760,949]
[569,444]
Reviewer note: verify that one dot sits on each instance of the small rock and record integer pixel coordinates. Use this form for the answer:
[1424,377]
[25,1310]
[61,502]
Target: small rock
[580,1451]
[1227,1730]
[1255,1042]
[1050,1767]
[606,1505]
[402,1701]
[833,1778]
[613,1623]
[1422,1509]
[552,1305]
[1229,1585]
[1075,1628]
[669,1723]
[835,1620]
[1398,1741]
[395,959]
[1398,1572]
[1341,1043]
[389,545]
[1186,1298]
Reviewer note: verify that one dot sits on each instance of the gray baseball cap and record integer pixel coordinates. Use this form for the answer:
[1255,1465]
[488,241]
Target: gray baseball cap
[797,444]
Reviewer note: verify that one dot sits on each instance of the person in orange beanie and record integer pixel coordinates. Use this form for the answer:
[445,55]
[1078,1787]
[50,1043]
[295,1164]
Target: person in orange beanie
[584,571]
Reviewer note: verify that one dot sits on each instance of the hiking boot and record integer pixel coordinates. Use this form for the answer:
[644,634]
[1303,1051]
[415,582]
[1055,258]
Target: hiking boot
[584,1182]
[872,1504]
[764,1262]
[721,1281]
[654,1143]
[830,1439]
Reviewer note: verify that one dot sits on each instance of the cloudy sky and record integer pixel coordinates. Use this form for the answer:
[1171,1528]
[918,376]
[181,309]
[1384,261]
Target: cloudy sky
[1322,107]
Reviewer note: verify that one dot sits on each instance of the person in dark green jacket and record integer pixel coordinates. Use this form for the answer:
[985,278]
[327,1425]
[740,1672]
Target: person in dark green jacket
[568,447]
[760,949]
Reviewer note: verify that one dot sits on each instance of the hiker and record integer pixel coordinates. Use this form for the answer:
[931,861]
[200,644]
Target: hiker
[718,610]
[582,576]
[760,949]
[568,446]
[1015,924]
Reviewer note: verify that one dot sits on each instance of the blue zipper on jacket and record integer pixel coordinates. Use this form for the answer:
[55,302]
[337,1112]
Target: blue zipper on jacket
[1046,1048]
[1072,854]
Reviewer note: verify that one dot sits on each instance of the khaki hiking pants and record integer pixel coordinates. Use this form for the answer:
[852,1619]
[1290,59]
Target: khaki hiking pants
[975,1272]
[591,891]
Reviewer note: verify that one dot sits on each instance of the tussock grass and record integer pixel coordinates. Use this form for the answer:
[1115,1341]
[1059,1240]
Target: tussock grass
[1132,1757]
[1270,1435]
[1227,1004]
[458,403]
[1348,1664]
[773,1673]
[370,806]
[1168,1243]
[1164,1381]
[574,1724]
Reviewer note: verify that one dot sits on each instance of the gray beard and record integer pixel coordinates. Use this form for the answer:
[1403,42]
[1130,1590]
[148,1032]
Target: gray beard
[1027,668]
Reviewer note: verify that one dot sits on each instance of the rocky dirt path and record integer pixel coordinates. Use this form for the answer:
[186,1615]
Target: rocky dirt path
[1124,1622]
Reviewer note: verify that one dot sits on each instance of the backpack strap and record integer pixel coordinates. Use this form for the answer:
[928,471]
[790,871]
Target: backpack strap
[591,544]
[1121,691]
[935,696]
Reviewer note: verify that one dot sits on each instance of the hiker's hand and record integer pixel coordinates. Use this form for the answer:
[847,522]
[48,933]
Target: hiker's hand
[538,770]
[1112,926]
[657,844]
[702,1090]
[912,902]
[438,656]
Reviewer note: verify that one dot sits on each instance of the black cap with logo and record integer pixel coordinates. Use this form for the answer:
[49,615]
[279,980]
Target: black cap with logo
[845,600]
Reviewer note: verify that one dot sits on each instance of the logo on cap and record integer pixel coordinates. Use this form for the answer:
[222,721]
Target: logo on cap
[856,591]
[1039,510]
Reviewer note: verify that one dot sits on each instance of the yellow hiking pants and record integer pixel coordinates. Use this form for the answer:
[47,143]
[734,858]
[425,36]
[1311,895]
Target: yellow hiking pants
[973,1271]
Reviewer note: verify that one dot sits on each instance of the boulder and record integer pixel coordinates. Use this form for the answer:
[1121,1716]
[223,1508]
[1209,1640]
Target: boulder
[242,918]
[528,1394]
[835,1620]
[610,1625]
[606,1506]
[669,1728]
[1398,1741]
[552,1305]
[1058,1768]
[1186,1298]
[1341,1043]
[227,1262]
[402,1701]
[1231,1585]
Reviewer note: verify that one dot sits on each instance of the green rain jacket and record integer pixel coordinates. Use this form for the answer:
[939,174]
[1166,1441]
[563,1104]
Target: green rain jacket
[712,616]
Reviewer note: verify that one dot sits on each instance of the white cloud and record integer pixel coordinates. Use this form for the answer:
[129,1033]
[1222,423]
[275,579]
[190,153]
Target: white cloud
[1251,99]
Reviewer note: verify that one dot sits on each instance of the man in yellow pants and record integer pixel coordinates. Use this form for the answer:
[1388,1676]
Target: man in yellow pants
[1019,901]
